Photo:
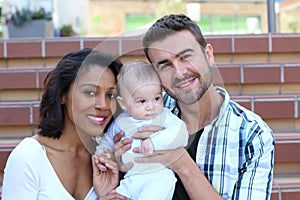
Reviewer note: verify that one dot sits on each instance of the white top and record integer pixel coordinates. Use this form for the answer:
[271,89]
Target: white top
[29,175]
[174,134]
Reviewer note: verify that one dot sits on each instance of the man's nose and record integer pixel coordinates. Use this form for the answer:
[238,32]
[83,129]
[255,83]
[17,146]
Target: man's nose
[180,68]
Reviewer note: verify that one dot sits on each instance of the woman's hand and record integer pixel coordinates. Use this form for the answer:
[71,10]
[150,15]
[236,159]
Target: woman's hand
[114,196]
[105,173]
[120,147]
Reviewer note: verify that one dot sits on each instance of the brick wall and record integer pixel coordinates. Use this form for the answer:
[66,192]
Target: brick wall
[261,72]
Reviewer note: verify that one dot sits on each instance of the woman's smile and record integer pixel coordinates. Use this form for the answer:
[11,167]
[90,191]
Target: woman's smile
[97,119]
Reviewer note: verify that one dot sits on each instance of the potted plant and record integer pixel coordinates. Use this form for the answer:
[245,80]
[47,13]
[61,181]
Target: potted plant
[27,23]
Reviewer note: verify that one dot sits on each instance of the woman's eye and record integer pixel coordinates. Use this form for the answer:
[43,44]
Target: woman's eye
[111,95]
[90,92]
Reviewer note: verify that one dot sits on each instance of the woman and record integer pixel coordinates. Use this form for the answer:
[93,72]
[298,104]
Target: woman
[78,103]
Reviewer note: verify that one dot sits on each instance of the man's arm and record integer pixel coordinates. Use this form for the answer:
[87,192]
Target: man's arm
[195,183]
[256,173]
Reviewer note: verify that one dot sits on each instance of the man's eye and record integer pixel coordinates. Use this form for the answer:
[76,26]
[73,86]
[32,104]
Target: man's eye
[164,66]
[185,56]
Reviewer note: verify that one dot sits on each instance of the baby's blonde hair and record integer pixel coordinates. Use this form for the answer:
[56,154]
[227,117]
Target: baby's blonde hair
[135,73]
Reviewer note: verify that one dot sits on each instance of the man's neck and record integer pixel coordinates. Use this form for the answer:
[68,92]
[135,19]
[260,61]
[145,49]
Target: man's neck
[198,115]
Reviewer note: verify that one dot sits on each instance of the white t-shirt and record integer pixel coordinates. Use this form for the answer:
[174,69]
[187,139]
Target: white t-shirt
[29,175]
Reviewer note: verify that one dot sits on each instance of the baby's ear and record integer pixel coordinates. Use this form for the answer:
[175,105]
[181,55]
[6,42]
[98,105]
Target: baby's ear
[121,103]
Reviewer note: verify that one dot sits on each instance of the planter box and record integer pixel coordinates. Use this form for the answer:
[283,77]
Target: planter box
[35,28]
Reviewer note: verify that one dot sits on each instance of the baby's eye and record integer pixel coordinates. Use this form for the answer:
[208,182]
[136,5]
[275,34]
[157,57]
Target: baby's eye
[157,98]
[142,101]
[90,92]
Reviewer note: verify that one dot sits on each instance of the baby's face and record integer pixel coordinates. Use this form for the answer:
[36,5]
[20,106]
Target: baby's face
[145,101]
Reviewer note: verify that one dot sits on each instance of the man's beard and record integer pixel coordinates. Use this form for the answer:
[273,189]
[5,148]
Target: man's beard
[192,96]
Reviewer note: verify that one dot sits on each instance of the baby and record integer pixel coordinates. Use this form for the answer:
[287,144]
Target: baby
[141,99]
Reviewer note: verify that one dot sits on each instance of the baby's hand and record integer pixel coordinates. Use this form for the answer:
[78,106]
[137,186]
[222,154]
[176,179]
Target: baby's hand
[147,147]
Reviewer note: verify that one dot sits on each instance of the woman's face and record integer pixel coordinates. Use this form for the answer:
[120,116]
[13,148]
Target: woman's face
[91,100]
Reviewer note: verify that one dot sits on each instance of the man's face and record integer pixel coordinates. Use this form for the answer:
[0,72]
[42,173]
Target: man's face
[182,66]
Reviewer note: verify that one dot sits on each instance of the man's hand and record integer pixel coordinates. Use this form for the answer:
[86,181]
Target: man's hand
[145,132]
[170,158]
[121,146]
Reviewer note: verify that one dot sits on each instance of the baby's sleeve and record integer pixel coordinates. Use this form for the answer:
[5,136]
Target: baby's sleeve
[174,135]
[107,139]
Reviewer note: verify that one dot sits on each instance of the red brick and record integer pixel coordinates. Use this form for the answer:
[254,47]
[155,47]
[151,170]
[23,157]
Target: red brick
[42,75]
[106,44]
[251,43]
[230,74]
[275,196]
[262,73]
[36,114]
[1,49]
[274,109]
[59,47]
[20,48]
[298,106]
[284,43]
[10,116]
[244,101]
[245,104]
[4,153]
[221,44]
[17,80]
[132,46]
[109,45]
[293,195]
[287,151]
[292,73]
[91,42]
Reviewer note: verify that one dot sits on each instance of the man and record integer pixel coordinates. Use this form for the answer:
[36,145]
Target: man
[231,153]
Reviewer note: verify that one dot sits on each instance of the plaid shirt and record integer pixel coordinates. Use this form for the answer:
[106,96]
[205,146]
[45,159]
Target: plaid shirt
[236,152]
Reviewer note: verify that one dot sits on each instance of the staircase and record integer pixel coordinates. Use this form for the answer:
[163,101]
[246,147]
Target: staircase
[261,72]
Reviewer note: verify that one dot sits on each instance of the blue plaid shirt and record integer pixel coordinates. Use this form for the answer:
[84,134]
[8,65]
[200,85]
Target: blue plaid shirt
[235,151]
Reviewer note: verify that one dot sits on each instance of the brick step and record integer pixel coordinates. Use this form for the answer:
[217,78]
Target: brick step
[281,112]
[286,149]
[286,187]
[287,160]
[224,73]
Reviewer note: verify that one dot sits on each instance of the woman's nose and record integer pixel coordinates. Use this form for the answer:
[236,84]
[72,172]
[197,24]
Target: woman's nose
[100,102]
